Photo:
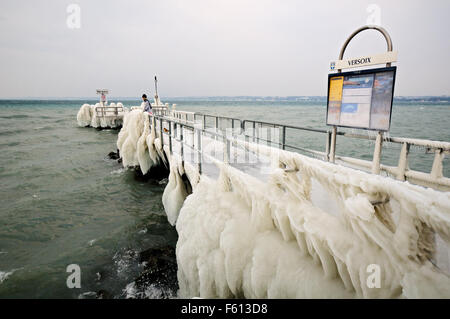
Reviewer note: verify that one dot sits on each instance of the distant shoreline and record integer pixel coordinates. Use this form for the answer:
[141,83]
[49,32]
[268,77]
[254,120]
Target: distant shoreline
[321,99]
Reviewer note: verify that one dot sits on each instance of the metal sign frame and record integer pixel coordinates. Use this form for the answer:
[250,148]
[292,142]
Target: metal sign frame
[362,61]
[379,140]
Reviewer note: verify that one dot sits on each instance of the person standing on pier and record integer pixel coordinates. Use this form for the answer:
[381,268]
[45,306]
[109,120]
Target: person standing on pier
[147,105]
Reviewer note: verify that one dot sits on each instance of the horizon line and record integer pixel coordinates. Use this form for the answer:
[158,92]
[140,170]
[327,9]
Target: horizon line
[202,97]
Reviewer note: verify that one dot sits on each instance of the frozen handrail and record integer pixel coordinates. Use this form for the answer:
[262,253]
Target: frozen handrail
[102,111]
[434,179]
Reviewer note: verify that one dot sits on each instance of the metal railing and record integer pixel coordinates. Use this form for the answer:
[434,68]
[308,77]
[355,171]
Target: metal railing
[201,123]
[108,111]
[177,122]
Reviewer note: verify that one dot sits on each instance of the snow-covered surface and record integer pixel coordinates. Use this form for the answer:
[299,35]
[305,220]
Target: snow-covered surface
[136,142]
[87,116]
[291,226]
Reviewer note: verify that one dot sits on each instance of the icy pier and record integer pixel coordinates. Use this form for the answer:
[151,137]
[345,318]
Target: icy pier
[256,219]
[99,116]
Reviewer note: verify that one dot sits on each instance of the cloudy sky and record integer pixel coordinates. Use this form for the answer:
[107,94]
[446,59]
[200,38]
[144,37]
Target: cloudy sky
[212,47]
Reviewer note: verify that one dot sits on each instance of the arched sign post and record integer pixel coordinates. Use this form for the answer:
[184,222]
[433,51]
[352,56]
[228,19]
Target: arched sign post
[362,99]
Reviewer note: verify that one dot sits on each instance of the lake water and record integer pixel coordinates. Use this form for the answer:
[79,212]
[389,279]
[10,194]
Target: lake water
[63,201]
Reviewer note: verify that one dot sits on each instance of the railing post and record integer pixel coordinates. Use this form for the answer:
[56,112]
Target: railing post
[254,131]
[193,145]
[175,132]
[327,146]
[233,144]
[228,147]
[283,137]
[199,150]
[246,140]
[170,137]
[403,162]
[161,132]
[182,145]
[225,149]
[436,170]
[333,144]
[257,139]
[377,153]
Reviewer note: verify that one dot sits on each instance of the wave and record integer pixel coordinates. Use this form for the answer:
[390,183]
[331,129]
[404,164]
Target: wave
[16,116]
[12,132]
[119,171]
[152,291]
[4,275]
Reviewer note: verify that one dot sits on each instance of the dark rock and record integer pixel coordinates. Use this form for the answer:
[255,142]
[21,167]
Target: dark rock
[166,252]
[160,270]
[113,155]
[103,294]
[158,173]
[98,128]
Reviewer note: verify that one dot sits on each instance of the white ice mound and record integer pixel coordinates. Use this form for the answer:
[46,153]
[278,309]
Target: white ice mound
[131,131]
[241,237]
[87,115]
[174,194]
[84,115]
[145,162]
[151,145]
[95,121]
[135,141]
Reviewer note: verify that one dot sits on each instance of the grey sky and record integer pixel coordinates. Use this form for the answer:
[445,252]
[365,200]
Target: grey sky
[212,47]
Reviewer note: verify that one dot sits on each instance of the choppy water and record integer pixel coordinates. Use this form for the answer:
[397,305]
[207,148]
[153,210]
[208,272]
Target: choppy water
[62,201]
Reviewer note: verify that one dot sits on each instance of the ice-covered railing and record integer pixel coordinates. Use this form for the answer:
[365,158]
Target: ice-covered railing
[157,107]
[109,111]
[310,229]
[251,130]
[239,236]
[101,116]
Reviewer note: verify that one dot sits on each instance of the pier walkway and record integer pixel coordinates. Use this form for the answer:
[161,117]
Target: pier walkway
[201,139]
[265,210]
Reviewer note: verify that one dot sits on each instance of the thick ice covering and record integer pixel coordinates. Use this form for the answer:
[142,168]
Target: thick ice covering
[87,116]
[84,115]
[240,237]
[130,133]
[313,230]
[138,142]
[139,146]
[174,194]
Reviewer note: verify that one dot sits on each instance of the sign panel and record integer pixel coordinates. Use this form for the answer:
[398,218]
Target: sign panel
[361,99]
[388,57]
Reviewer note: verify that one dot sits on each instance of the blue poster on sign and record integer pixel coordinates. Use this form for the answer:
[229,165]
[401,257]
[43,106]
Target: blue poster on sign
[358,82]
[349,108]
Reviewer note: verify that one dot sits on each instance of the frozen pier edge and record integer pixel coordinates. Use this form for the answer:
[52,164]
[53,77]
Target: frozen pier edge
[103,115]
[258,221]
